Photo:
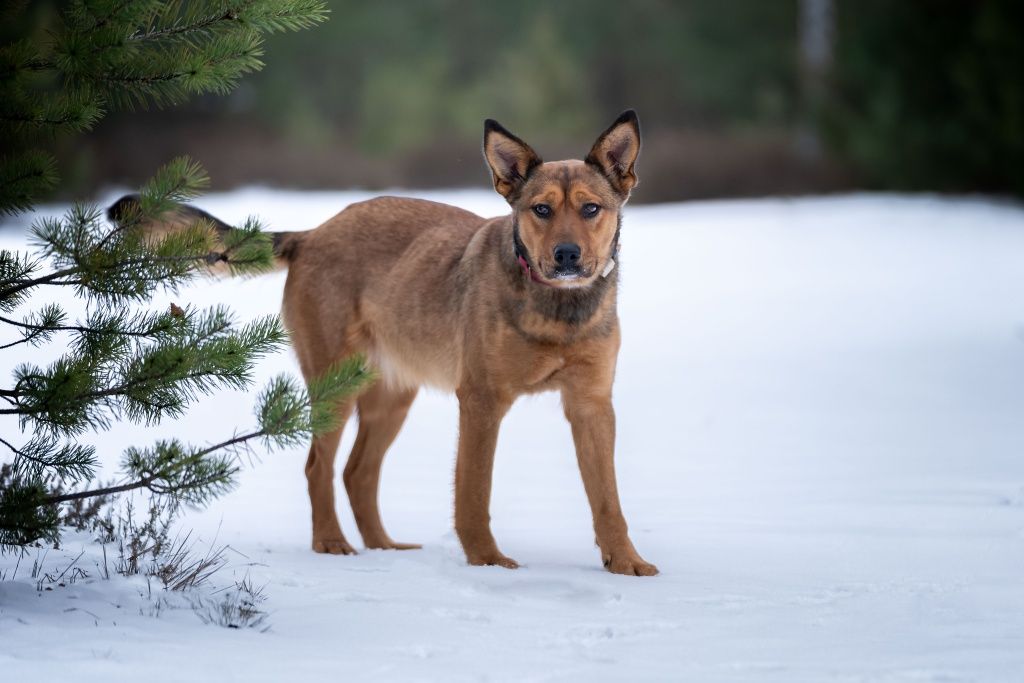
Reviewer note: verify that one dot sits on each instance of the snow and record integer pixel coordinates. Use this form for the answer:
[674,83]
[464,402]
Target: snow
[820,445]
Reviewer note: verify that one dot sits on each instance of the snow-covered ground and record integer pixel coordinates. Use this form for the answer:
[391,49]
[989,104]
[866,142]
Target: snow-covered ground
[821,446]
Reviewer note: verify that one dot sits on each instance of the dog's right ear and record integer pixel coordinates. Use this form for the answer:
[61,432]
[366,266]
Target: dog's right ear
[510,159]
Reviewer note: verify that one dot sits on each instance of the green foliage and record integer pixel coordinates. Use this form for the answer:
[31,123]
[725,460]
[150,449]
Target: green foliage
[23,176]
[25,515]
[138,365]
[284,416]
[109,54]
[331,388]
[171,467]
[122,361]
[929,95]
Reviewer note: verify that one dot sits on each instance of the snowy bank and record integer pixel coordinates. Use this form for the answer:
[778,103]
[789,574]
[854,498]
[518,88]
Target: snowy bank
[821,445]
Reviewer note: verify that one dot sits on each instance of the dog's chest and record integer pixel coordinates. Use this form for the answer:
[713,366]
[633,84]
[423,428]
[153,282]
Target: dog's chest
[543,372]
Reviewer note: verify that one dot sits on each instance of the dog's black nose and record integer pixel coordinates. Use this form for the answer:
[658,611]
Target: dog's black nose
[567,255]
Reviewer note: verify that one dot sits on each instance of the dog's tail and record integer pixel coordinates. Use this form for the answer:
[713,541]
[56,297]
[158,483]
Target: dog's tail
[182,216]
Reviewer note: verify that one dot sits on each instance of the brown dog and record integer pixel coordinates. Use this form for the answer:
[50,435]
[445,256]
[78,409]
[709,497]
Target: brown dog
[490,309]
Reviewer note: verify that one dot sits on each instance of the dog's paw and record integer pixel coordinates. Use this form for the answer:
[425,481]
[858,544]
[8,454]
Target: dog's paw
[494,558]
[333,546]
[629,564]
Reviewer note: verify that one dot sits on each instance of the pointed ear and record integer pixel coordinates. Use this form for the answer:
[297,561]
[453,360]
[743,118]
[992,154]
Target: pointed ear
[510,159]
[616,150]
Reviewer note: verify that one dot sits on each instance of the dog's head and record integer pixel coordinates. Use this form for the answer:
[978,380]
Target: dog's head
[566,212]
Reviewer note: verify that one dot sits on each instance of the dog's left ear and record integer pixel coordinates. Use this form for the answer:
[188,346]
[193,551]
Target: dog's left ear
[616,150]
[510,159]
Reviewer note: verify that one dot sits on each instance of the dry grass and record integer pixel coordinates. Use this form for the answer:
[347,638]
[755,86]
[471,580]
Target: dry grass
[237,607]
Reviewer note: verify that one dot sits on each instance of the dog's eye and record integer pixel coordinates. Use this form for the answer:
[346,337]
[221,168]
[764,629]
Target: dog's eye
[590,210]
[542,210]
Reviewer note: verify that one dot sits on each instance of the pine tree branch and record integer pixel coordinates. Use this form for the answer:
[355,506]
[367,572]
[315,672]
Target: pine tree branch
[69,459]
[106,491]
[69,328]
[230,15]
[16,451]
[293,16]
[124,79]
[148,480]
[208,258]
[119,390]
[38,65]
[44,280]
[139,366]
[28,175]
[25,340]
[40,120]
[160,380]
[102,21]
[22,454]
[23,176]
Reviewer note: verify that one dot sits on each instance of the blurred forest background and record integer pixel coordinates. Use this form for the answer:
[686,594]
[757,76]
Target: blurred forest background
[736,97]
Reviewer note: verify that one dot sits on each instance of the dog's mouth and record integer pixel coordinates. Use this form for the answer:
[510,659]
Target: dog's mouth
[569,277]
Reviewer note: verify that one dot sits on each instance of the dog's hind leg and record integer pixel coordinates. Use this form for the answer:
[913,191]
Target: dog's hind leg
[327,536]
[315,357]
[382,411]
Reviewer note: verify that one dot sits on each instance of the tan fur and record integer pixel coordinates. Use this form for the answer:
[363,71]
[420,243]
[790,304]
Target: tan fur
[433,295]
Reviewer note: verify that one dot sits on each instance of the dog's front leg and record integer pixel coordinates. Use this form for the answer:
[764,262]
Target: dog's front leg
[480,415]
[593,430]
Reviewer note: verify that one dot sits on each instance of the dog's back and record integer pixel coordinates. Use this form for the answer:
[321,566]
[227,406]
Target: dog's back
[383,278]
